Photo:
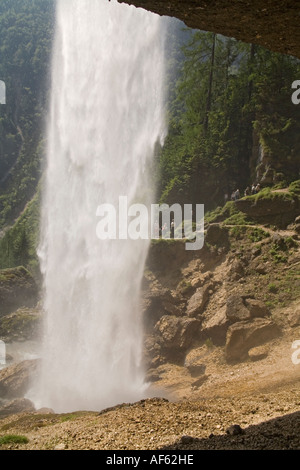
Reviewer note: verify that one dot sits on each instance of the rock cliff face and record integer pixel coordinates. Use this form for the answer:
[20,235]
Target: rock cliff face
[272,24]
[225,295]
[17,289]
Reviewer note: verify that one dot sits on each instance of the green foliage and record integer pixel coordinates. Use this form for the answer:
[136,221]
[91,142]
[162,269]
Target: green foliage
[273,288]
[225,92]
[277,118]
[238,232]
[228,214]
[165,241]
[294,188]
[13,439]
[243,231]
[26,28]
[238,218]
[257,234]
[270,194]
[277,254]
[19,244]
[68,417]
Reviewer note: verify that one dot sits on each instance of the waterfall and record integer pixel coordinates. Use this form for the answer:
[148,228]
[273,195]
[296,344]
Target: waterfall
[106,115]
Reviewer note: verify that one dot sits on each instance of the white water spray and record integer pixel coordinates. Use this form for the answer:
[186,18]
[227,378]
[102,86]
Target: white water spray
[106,116]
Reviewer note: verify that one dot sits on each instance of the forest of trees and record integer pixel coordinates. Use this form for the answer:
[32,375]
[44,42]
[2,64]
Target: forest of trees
[26,30]
[231,120]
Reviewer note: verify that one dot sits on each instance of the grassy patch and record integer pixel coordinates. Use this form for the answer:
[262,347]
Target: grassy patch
[237,218]
[278,253]
[238,232]
[257,234]
[294,188]
[270,194]
[227,214]
[277,256]
[165,241]
[68,417]
[272,288]
[247,233]
[13,439]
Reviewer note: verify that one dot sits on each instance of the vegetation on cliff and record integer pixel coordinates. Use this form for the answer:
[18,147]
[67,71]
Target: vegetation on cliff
[231,121]
[26,28]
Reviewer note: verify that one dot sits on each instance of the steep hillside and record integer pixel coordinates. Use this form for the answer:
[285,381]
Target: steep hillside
[26,30]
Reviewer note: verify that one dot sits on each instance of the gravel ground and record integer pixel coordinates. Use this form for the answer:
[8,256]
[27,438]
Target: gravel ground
[249,405]
[265,421]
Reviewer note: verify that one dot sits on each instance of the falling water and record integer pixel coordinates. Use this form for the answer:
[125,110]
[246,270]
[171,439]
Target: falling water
[105,118]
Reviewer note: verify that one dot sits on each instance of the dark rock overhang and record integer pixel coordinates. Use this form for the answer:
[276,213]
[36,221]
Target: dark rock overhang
[273,24]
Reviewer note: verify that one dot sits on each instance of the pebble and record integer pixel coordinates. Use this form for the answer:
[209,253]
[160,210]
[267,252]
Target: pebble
[61,446]
[234,430]
[186,439]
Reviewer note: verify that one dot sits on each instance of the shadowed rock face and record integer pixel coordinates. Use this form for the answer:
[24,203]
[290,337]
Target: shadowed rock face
[273,24]
[16,379]
[17,289]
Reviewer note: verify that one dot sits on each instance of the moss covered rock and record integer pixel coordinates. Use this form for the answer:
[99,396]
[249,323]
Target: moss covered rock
[15,380]
[277,208]
[17,289]
[24,324]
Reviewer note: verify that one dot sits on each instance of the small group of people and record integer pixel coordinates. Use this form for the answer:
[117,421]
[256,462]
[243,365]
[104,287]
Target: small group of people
[235,195]
[255,188]
[163,230]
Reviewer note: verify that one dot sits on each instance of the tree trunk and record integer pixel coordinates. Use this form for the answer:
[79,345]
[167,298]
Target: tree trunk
[210,82]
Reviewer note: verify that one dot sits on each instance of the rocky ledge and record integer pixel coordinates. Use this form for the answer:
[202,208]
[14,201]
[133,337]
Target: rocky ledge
[272,24]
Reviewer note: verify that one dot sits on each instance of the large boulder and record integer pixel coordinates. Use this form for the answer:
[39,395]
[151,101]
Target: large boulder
[198,301]
[17,289]
[152,353]
[158,301]
[257,308]
[240,308]
[177,334]
[19,405]
[195,361]
[16,379]
[236,271]
[24,324]
[278,209]
[236,310]
[244,335]
[215,327]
